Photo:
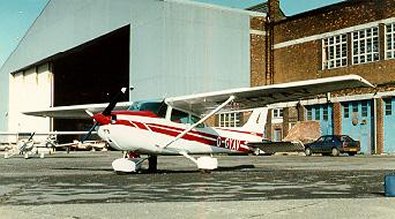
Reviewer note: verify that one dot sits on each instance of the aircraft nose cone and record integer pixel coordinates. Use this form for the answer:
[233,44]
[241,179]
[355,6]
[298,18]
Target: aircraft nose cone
[102,119]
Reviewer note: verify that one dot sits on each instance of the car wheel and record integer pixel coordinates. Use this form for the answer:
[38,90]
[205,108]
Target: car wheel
[335,152]
[308,152]
[352,154]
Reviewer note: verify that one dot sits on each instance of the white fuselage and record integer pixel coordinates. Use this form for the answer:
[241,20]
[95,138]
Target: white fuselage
[149,135]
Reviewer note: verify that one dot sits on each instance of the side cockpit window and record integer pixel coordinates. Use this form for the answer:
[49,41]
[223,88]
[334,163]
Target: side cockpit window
[184,118]
[179,117]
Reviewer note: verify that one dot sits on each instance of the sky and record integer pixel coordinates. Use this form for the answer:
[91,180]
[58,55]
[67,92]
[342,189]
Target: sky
[16,16]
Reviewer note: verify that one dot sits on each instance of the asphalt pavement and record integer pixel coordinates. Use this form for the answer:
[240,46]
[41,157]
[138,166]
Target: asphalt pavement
[83,185]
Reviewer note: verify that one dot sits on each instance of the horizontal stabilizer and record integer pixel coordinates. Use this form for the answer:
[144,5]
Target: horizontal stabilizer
[273,147]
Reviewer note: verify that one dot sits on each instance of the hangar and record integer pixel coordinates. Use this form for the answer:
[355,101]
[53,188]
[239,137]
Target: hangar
[82,52]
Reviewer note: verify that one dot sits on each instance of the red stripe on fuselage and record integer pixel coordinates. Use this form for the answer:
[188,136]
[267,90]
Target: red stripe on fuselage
[135,113]
[141,125]
[123,122]
[186,136]
[174,131]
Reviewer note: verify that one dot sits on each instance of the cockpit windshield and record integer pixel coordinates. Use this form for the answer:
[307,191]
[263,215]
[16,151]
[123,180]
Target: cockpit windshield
[159,108]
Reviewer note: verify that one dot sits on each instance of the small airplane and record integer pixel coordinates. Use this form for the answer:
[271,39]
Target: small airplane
[175,125]
[29,146]
[92,145]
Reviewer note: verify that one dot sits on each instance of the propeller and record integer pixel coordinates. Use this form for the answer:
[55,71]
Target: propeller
[106,112]
[113,102]
[23,147]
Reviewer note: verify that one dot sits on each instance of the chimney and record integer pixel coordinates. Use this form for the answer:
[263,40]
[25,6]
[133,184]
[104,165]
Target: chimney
[275,13]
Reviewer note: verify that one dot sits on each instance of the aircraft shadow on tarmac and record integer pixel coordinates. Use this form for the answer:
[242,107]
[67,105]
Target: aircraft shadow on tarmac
[71,156]
[219,169]
[161,171]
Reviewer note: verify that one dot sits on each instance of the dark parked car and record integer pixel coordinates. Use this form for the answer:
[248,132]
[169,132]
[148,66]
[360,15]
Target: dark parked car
[333,145]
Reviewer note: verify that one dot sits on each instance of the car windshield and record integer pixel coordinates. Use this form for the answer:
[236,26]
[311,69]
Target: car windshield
[159,108]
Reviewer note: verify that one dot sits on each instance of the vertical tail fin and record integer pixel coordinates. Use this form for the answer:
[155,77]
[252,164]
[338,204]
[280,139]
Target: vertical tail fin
[257,121]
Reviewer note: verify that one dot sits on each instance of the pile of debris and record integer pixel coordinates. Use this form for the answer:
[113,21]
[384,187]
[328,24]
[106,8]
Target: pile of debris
[304,131]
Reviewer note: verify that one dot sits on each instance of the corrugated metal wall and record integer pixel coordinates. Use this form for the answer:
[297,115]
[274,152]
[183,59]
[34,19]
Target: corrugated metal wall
[192,49]
[176,47]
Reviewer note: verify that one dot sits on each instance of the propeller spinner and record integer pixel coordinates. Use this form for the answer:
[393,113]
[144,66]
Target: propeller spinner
[101,118]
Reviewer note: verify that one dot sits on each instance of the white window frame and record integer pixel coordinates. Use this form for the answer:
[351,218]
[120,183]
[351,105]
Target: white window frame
[365,45]
[334,51]
[232,119]
[277,113]
[390,41]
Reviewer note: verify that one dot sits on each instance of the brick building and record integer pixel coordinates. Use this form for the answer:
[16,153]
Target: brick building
[350,37]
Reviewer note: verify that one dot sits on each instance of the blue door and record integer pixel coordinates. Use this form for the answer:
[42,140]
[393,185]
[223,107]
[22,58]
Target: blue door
[323,114]
[357,122]
[389,125]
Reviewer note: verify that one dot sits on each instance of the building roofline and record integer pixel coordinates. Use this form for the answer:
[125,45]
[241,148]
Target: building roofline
[321,10]
[255,7]
[218,7]
[24,36]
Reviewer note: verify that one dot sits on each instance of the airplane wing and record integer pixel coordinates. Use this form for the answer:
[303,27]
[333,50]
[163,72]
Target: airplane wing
[47,133]
[252,97]
[244,98]
[75,111]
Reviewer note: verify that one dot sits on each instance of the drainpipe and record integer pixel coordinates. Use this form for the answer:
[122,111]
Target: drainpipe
[375,123]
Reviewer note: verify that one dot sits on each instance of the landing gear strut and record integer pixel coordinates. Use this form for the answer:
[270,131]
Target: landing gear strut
[152,163]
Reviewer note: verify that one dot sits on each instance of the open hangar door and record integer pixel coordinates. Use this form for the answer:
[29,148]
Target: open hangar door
[90,73]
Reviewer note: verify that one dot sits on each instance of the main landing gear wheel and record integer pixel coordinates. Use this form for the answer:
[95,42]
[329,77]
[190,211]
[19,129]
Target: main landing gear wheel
[207,164]
[152,163]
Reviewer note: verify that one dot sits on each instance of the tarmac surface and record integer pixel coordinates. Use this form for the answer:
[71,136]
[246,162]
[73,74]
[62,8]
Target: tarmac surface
[83,185]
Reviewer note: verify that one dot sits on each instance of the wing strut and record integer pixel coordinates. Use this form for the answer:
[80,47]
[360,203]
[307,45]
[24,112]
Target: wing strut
[231,98]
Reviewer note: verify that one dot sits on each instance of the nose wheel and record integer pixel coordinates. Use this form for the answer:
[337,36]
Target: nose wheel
[131,163]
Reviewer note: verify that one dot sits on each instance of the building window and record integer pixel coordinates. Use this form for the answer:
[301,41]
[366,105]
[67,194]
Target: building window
[354,107]
[277,113]
[346,110]
[309,114]
[317,113]
[365,45]
[388,107]
[277,135]
[390,41]
[334,51]
[229,119]
[364,107]
[325,113]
